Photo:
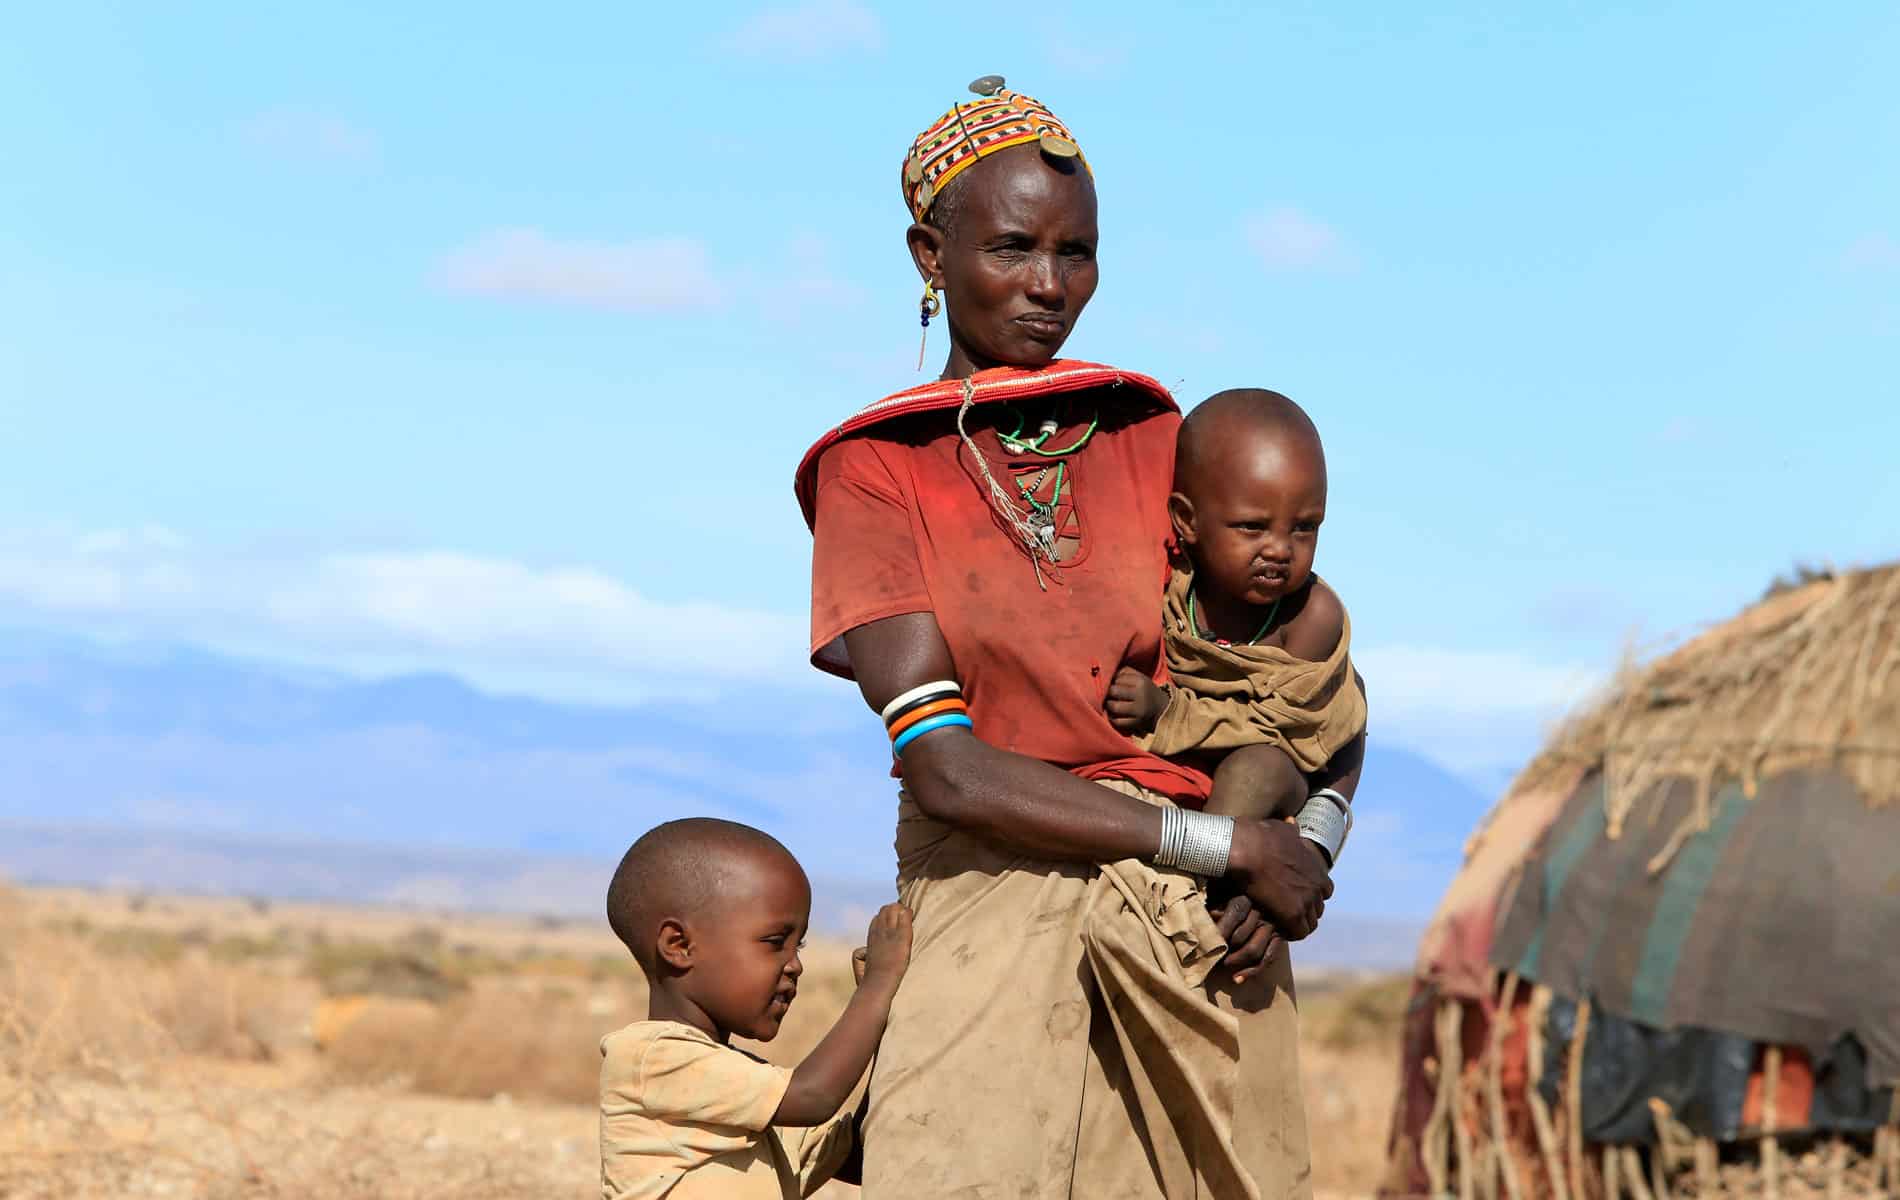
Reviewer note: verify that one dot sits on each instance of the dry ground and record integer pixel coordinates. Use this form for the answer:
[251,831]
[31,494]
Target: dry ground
[167,1046]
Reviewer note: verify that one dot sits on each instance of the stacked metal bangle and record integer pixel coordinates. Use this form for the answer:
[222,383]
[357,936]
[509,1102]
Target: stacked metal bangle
[1197,843]
[1325,821]
[924,709]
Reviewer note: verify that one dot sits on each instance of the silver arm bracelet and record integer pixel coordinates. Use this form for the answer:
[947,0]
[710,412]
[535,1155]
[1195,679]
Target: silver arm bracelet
[1325,821]
[1196,842]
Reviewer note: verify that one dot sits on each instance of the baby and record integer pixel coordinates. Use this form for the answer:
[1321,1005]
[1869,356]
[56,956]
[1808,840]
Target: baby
[1261,686]
[715,914]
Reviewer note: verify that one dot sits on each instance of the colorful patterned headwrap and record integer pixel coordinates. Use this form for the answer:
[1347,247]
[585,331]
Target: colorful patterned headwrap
[996,120]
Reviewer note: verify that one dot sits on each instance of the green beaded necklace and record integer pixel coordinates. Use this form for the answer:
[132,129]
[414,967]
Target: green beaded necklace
[1042,513]
[1015,443]
[1195,624]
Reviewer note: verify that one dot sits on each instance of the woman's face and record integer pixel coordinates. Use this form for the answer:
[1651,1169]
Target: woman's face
[1017,265]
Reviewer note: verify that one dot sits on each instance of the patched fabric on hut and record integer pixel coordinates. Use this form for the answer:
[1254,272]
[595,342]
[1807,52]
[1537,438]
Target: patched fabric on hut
[1778,922]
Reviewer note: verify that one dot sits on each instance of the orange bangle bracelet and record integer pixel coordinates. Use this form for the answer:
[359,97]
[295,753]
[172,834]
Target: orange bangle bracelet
[925,712]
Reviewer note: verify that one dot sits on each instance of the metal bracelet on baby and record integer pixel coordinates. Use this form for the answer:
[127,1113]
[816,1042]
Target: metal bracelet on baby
[1197,843]
[1325,821]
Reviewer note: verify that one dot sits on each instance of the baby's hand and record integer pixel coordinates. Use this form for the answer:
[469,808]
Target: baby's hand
[1134,701]
[887,952]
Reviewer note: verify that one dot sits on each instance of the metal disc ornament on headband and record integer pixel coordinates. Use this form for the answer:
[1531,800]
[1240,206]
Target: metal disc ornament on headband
[996,120]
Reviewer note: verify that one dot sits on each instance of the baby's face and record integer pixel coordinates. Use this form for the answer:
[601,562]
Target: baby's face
[1257,512]
[746,962]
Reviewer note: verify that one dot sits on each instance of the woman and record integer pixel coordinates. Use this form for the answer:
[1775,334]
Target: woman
[1002,531]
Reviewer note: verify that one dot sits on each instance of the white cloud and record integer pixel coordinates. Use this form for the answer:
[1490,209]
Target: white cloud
[1876,251]
[1289,240]
[643,275]
[811,30]
[1473,712]
[569,632]
[307,133]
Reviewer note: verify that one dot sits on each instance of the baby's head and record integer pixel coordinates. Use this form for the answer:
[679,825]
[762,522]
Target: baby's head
[714,912]
[1249,495]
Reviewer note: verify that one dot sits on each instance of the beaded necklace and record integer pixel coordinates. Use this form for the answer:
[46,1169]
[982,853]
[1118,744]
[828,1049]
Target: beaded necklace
[1037,528]
[1015,443]
[1041,514]
[1259,633]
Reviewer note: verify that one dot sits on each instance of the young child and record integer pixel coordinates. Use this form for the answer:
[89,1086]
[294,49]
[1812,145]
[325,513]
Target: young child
[1259,674]
[715,914]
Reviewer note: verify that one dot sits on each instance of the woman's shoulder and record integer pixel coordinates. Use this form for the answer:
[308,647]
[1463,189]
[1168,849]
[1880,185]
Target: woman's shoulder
[927,411]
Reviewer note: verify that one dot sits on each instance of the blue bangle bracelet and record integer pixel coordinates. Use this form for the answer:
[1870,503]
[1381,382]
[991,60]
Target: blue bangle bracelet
[925,726]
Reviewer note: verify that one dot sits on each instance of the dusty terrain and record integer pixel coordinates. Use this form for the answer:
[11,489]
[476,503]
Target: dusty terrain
[172,1046]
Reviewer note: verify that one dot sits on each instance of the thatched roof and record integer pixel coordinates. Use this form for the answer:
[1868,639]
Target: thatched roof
[1809,677]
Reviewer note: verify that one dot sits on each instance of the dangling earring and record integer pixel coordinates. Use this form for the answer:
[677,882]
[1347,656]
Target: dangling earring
[929,307]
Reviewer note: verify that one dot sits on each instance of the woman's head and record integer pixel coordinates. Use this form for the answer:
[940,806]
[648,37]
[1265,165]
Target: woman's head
[1005,229]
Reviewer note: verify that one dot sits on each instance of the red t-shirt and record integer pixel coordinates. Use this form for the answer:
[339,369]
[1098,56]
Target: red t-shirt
[901,524]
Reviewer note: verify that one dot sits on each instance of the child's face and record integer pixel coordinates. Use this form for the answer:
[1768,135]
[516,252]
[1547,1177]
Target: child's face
[745,967]
[1252,524]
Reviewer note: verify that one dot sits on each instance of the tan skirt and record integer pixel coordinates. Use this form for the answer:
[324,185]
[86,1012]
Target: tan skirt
[1062,1033]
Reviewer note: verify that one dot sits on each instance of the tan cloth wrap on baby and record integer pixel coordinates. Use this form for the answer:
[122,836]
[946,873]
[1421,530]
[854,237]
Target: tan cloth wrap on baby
[1225,697]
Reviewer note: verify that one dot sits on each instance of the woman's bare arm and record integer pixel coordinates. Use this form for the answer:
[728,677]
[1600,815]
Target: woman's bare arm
[1045,812]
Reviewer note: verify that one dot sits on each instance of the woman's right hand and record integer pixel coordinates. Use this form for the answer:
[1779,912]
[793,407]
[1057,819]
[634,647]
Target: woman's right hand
[1282,873]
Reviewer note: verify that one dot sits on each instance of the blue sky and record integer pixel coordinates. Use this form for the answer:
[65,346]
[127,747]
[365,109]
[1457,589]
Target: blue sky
[444,338]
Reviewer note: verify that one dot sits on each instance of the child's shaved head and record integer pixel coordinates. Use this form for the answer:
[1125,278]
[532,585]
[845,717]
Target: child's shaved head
[1228,422]
[678,869]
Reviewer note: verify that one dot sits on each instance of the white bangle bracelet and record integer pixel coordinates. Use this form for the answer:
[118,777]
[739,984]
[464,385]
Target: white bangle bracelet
[1325,821]
[1196,842]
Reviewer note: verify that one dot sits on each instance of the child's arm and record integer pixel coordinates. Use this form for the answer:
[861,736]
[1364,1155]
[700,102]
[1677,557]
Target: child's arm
[822,1083]
[1134,701]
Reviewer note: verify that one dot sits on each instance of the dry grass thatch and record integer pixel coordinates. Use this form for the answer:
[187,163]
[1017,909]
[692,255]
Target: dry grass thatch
[1809,677]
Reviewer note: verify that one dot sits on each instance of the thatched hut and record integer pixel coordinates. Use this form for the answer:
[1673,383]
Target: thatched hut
[1671,962]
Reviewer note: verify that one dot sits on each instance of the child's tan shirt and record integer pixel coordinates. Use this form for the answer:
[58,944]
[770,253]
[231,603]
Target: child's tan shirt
[686,1118]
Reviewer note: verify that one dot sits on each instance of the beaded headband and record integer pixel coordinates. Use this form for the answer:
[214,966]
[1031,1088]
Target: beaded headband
[974,129]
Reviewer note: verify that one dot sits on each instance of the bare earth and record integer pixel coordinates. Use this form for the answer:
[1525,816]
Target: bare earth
[166,1046]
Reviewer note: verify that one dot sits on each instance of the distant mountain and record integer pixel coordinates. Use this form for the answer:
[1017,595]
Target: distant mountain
[179,742]
[460,880]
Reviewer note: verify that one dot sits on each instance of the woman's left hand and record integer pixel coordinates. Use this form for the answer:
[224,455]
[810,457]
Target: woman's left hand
[1252,944]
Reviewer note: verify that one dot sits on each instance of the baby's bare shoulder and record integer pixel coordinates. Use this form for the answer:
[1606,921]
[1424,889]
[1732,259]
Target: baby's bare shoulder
[1314,632]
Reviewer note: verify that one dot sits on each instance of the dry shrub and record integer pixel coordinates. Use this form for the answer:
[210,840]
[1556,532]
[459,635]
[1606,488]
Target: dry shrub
[1365,1013]
[66,1002]
[519,1042]
[539,1040]
[371,968]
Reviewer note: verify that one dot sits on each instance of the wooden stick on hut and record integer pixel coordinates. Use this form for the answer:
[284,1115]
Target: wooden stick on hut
[1612,1177]
[1435,1139]
[1893,1112]
[1494,1087]
[1540,1111]
[1771,1145]
[1633,1168]
[1836,1168]
[1706,1160]
[1573,1097]
[1452,1062]
[1659,1173]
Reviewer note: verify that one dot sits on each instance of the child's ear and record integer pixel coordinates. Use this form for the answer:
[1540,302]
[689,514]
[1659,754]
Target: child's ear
[1181,516]
[676,945]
